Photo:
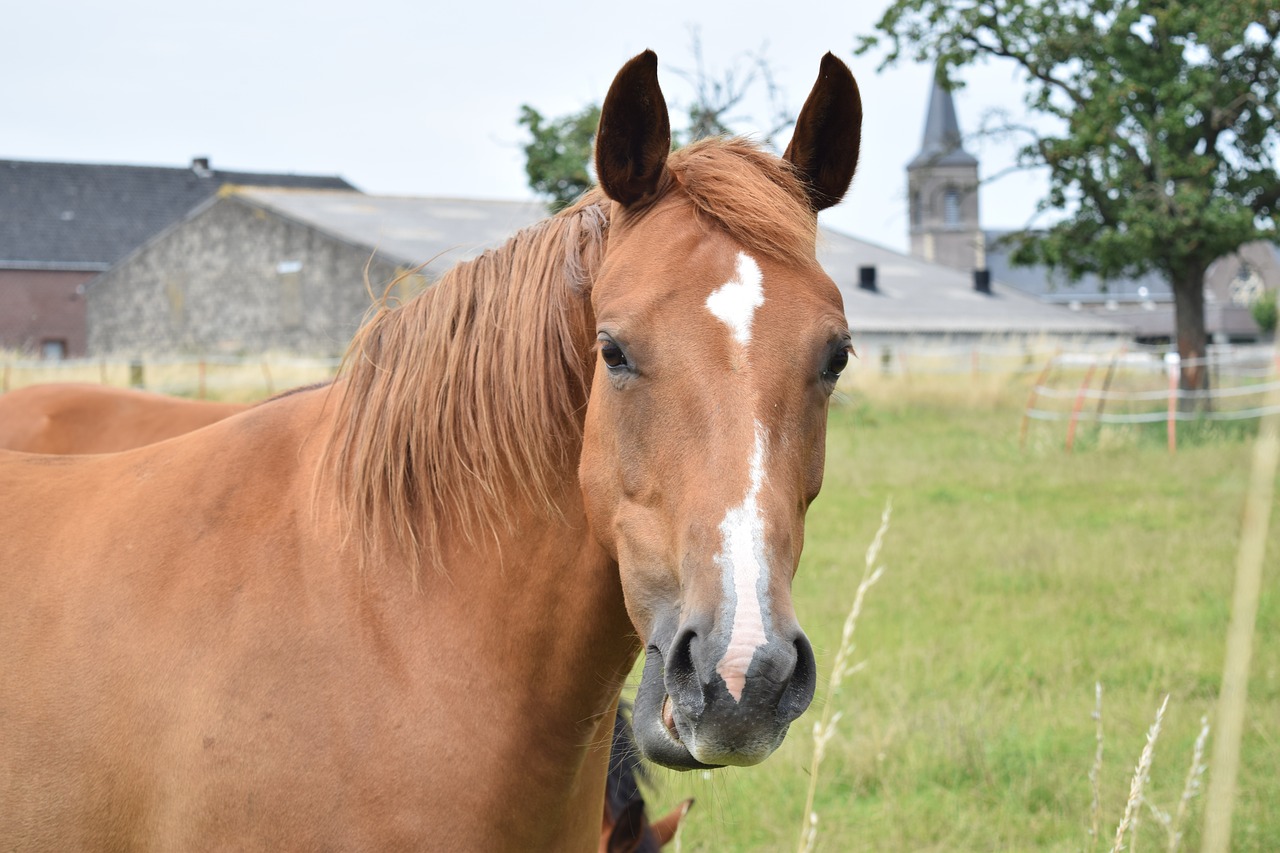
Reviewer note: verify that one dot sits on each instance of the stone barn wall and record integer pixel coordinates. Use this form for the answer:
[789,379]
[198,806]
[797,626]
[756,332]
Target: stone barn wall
[234,278]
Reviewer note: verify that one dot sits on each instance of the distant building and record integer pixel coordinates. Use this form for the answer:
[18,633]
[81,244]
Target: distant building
[942,192]
[61,224]
[257,269]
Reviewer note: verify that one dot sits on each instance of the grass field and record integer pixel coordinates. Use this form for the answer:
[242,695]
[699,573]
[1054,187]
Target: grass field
[1015,581]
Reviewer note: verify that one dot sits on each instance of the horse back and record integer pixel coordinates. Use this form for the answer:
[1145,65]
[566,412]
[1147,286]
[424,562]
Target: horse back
[83,418]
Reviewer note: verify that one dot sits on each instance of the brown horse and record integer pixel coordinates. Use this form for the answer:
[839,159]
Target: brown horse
[72,417]
[339,620]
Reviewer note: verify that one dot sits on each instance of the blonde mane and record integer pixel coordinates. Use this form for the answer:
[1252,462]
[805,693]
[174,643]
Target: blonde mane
[478,385]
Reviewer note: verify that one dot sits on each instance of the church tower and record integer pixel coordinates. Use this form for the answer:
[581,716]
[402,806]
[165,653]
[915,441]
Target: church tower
[942,191]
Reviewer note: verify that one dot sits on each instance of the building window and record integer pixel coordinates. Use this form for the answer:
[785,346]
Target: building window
[917,215]
[53,349]
[951,207]
[289,274]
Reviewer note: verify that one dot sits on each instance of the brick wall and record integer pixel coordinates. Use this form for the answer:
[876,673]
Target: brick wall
[42,305]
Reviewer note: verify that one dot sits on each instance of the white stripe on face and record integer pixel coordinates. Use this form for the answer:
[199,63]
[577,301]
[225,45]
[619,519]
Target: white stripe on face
[742,561]
[735,302]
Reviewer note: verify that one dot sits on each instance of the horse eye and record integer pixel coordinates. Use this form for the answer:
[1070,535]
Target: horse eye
[839,361]
[612,355]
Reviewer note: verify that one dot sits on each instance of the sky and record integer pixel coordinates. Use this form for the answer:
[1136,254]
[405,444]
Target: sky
[422,98]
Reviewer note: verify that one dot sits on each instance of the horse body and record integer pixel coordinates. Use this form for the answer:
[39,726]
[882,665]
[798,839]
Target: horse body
[82,418]
[398,612]
[283,738]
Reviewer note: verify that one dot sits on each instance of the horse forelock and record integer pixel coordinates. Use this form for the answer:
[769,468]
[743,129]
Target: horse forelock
[478,386]
[750,193]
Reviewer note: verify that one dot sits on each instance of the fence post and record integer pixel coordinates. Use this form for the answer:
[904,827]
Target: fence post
[1106,380]
[4,385]
[1079,404]
[1031,399]
[200,373]
[1173,363]
[137,376]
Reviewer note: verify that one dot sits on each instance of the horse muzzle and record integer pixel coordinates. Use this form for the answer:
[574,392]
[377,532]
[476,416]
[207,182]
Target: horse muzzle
[687,715]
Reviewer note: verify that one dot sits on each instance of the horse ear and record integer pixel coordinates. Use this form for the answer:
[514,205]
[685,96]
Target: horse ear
[824,147]
[635,134]
[628,832]
[666,829]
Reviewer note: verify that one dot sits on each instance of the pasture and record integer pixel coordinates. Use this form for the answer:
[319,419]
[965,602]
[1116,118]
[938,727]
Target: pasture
[1015,580]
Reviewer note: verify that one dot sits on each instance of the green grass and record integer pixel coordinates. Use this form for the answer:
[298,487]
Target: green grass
[1014,581]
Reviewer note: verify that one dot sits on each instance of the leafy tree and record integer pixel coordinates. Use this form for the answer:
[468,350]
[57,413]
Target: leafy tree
[1166,155]
[558,158]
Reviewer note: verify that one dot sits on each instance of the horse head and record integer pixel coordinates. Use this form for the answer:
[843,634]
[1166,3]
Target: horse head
[719,341]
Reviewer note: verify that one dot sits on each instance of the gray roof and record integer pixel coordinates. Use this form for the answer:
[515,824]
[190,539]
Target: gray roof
[89,215]
[942,144]
[1053,286]
[915,297]
[404,229]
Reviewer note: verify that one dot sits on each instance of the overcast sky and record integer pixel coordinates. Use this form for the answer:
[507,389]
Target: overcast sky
[422,98]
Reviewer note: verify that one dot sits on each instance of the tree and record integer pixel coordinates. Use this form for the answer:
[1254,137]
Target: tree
[1166,155]
[716,95]
[558,158]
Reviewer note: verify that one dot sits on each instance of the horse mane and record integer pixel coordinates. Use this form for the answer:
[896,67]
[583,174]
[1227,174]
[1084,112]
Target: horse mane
[478,385]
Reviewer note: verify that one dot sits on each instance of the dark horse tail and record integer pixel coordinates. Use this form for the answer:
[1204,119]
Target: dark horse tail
[626,824]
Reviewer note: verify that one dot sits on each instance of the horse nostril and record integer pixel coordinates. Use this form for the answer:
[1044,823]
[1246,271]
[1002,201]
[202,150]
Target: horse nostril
[798,693]
[681,673]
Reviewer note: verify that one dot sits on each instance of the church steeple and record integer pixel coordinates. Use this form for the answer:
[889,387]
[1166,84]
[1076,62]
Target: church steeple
[942,144]
[942,186]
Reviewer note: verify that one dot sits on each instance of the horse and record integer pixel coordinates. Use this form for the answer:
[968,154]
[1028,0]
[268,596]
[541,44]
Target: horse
[626,827]
[340,619]
[73,417]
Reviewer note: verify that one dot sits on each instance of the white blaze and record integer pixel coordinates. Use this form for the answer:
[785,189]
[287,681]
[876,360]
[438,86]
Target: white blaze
[741,558]
[735,302]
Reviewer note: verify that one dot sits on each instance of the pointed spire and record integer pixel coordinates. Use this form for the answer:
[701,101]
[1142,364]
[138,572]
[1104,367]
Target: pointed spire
[942,144]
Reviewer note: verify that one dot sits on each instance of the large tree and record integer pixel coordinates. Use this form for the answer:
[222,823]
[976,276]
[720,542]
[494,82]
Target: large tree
[1164,156]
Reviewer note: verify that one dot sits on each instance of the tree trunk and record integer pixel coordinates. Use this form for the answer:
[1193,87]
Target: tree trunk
[1188,303]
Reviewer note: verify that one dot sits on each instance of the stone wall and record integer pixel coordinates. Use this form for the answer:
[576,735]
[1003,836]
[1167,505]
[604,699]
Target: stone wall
[234,278]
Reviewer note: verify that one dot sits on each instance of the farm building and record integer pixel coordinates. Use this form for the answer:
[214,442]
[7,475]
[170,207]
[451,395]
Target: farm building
[61,224]
[257,268]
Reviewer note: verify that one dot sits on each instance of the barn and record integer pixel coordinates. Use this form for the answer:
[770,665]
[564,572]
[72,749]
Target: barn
[61,224]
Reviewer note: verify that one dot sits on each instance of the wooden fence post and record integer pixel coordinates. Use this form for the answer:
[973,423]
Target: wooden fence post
[1172,362]
[1031,399]
[1079,404]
